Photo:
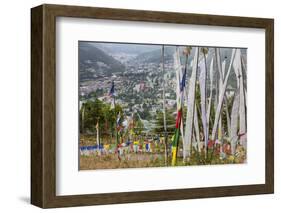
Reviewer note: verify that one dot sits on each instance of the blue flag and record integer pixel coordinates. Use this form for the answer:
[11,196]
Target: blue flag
[182,83]
[111,91]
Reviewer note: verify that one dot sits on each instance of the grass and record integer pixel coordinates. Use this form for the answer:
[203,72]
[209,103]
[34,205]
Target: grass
[144,160]
[155,159]
[131,160]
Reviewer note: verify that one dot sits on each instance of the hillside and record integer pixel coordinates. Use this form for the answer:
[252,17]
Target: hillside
[94,63]
[154,56]
[117,48]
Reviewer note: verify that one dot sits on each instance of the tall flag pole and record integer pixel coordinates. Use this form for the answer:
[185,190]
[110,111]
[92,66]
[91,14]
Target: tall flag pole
[211,93]
[234,121]
[244,67]
[118,128]
[221,68]
[98,136]
[202,82]
[226,102]
[112,95]
[191,102]
[180,88]
[221,96]
[228,120]
[180,94]
[242,108]
[196,127]
[235,109]
[83,117]
[164,110]
[186,52]
[237,65]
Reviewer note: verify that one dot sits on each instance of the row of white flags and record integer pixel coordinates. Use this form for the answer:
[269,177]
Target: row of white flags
[236,119]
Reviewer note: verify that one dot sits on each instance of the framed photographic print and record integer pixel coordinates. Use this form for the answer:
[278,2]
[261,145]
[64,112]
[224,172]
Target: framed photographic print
[136,106]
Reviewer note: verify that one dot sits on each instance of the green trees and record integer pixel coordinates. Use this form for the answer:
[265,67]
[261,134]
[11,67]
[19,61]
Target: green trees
[139,127]
[170,122]
[92,112]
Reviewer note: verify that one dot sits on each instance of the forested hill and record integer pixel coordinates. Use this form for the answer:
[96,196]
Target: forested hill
[155,56]
[94,63]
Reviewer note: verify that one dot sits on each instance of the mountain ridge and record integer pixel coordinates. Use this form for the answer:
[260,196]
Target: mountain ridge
[95,62]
